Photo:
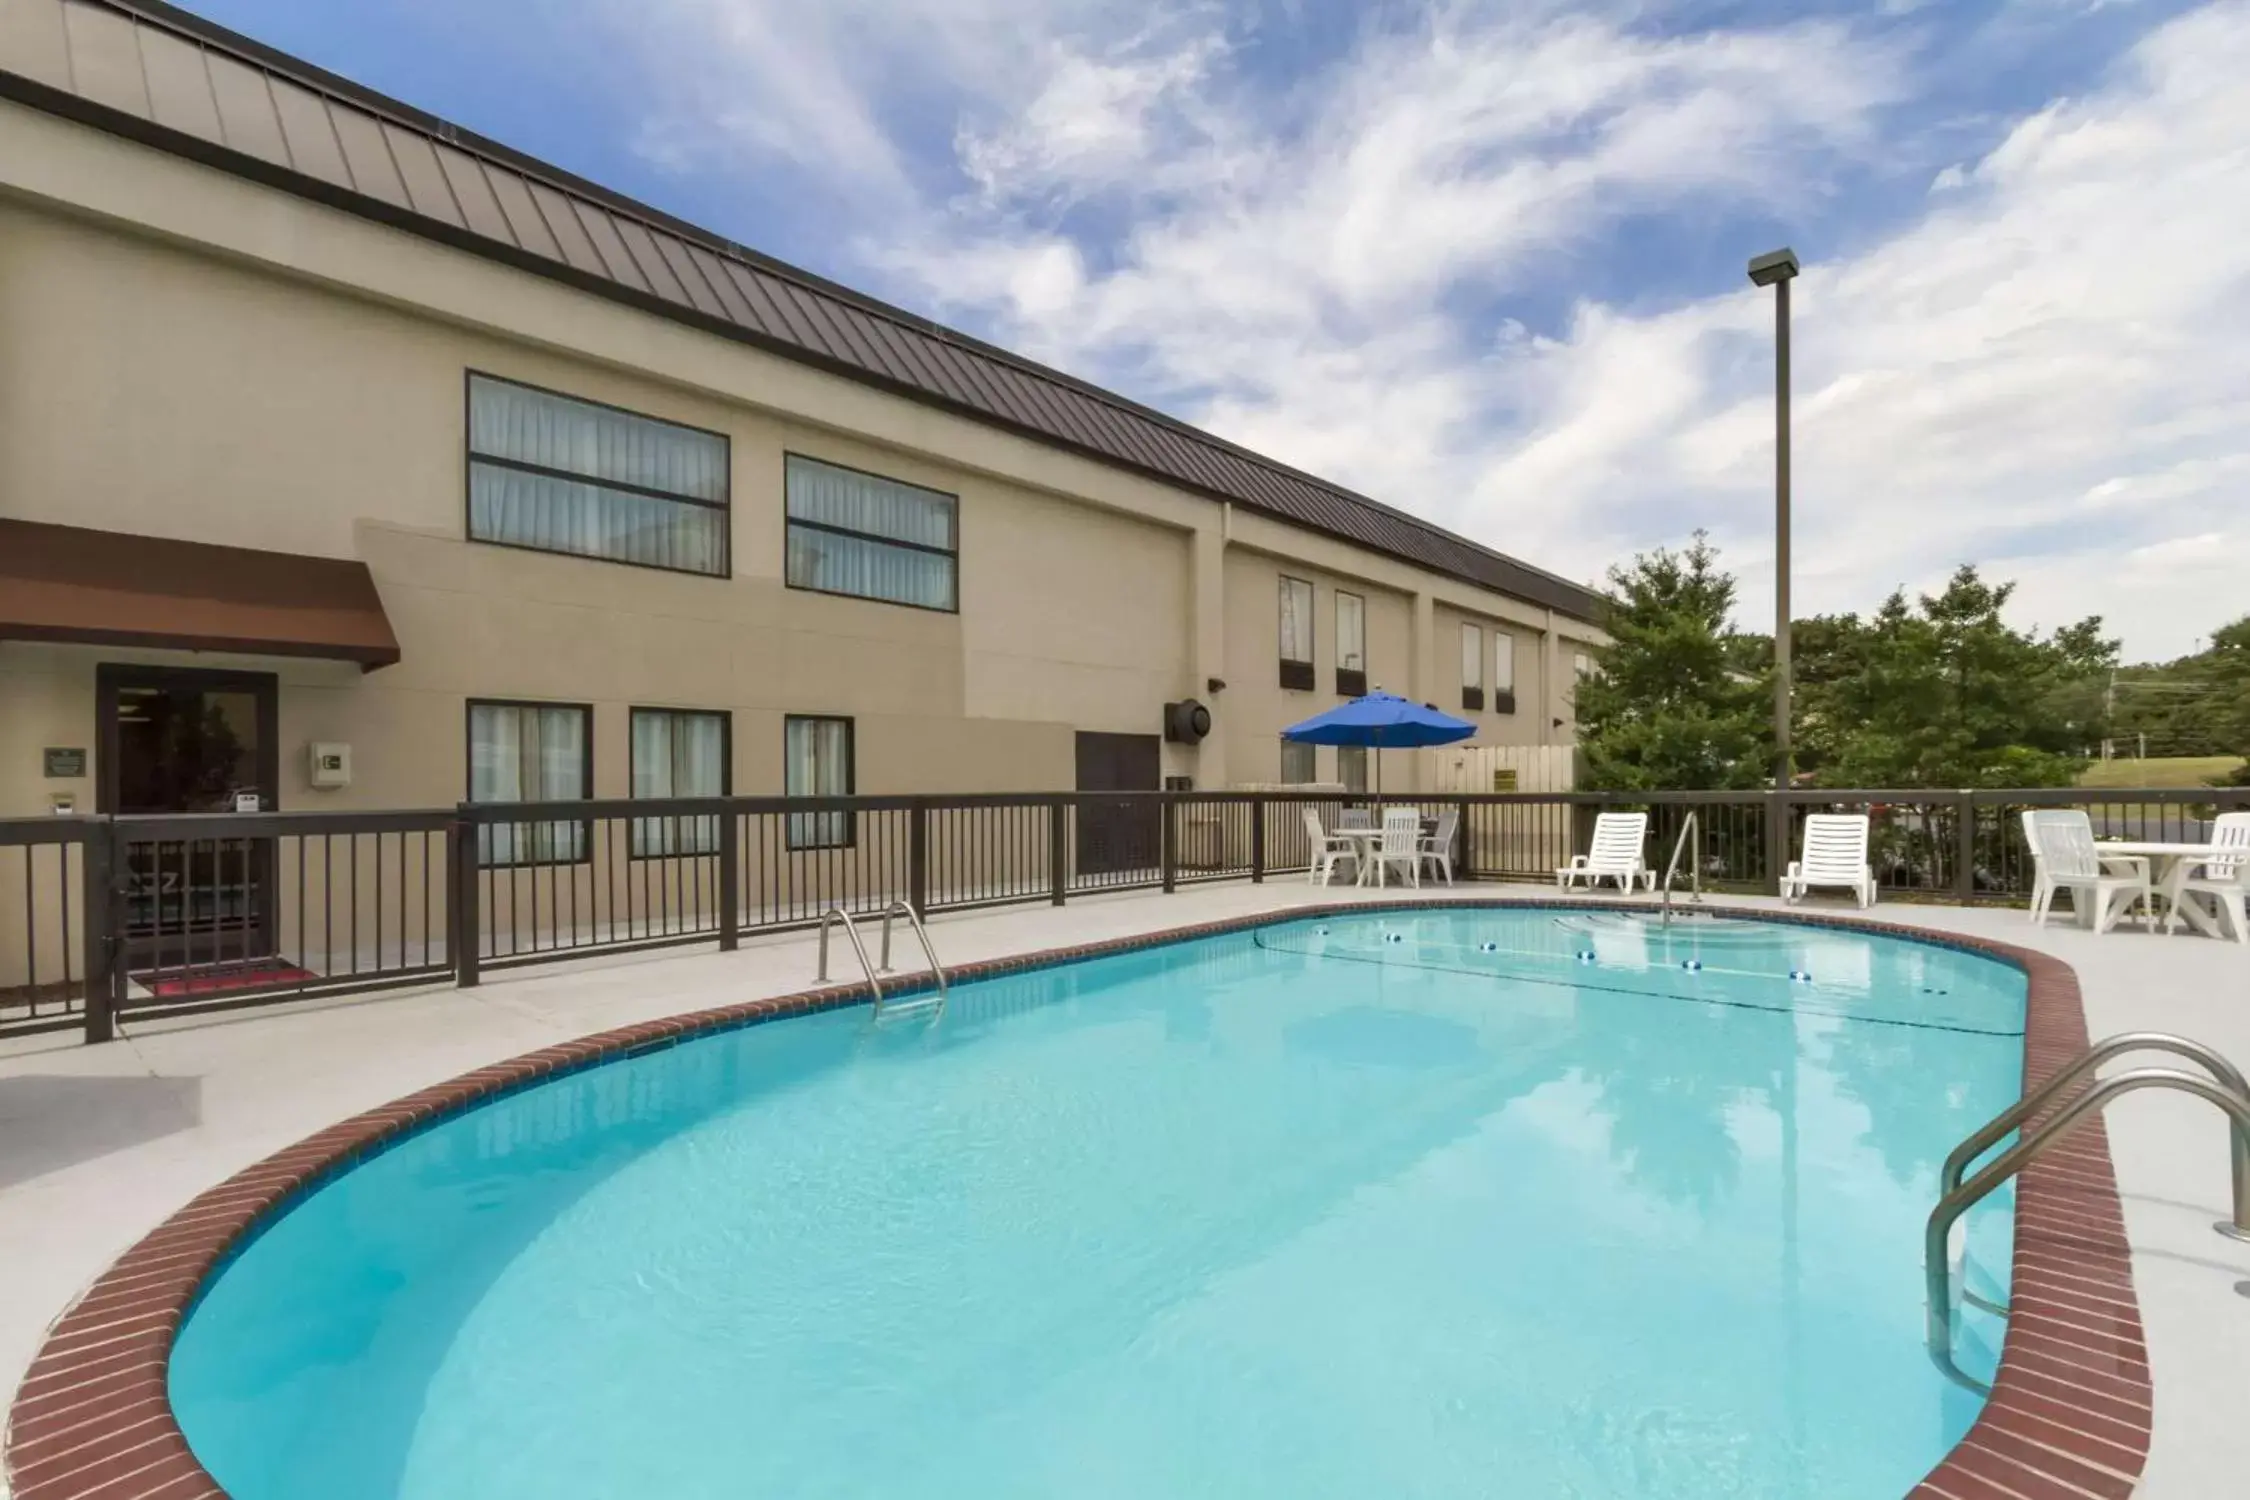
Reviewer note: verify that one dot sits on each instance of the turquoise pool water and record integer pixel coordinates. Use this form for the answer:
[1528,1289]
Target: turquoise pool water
[1472,1203]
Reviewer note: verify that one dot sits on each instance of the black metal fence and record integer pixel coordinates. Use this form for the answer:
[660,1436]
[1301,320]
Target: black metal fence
[133,917]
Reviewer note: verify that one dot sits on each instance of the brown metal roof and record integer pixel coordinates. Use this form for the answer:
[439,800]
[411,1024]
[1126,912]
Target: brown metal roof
[113,588]
[159,75]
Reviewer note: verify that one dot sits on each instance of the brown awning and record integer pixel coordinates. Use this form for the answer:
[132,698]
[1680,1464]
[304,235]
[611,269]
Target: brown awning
[68,583]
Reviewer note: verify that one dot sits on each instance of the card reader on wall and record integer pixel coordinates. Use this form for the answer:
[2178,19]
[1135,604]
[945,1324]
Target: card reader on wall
[331,765]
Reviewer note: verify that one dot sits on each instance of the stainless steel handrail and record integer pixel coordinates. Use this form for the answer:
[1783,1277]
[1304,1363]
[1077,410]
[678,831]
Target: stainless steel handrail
[830,918]
[1957,1163]
[1937,1267]
[900,908]
[1692,827]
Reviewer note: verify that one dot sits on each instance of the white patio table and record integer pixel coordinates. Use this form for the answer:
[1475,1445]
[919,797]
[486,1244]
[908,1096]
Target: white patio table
[2168,866]
[1364,842]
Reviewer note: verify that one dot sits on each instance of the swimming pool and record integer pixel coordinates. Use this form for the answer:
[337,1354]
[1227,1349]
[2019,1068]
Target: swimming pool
[1435,1203]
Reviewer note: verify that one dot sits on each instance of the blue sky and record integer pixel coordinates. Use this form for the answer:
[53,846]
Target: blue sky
[1484,260]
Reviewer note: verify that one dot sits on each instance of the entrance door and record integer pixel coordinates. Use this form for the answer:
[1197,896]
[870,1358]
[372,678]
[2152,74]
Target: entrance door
[177,740]
[1124,834]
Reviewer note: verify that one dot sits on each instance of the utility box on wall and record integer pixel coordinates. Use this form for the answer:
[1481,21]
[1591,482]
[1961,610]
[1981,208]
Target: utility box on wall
[329,765]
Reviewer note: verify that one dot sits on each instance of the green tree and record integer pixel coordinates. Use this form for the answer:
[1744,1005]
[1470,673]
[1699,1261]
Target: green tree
[1945,693]
[1676,701]
[2193,705]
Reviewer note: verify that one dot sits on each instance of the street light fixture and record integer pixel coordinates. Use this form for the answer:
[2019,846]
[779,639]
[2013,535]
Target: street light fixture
[1777,268]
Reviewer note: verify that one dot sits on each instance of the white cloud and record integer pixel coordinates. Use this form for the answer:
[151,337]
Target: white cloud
[2044,370]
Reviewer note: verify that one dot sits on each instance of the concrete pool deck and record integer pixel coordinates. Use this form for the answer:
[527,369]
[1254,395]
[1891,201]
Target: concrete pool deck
[98,1145]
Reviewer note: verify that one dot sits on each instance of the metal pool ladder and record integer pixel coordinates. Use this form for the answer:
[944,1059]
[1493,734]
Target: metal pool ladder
[2224,1088]
[836,914]
[1691,829]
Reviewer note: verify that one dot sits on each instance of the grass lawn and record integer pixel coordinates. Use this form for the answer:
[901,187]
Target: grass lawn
[2175,770]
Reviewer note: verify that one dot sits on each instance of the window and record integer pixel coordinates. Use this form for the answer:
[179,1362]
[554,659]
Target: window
[1351,767]
[561,475]
[870,537]
[1296,634]
[678,753]
[1472,666]
[1299,767]
[1584,664]
[1503,672]
[818,756]
[530,752]
[1351,645]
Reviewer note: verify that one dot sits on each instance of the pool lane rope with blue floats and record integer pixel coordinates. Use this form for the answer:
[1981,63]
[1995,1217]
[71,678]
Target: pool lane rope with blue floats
[1589,958]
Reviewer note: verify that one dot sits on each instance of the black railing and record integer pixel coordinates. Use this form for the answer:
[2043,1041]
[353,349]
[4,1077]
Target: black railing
[46,943]
[103,918]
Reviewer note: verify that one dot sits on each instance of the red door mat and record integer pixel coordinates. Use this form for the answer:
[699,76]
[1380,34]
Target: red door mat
[255,975]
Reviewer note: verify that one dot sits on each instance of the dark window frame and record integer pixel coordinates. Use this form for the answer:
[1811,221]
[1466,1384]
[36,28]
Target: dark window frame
[1351,682]
[470,458]
[850,838]
[788,521]
[1503,702]
[469,709]
[1364,763]
[1298,675]
[1472,699]
[725,716]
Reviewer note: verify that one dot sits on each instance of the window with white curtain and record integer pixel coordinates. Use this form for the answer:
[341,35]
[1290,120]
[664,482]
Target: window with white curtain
[817,755]
[1472,666]
[678,753]
[1296,633]
[530,752]
[1503,672]
[1299,763]
[871,537]
[1351,767]
[558,474]
[1351,644]
[1351,632]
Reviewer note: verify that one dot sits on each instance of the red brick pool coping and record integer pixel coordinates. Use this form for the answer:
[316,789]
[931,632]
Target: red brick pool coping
[2068,1417]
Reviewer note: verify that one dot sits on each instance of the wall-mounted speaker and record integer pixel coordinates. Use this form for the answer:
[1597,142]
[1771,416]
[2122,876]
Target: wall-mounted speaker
[1186,722]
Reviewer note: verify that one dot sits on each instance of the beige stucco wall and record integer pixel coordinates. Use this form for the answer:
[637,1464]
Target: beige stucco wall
[1531,723]
[186,354]
[1257,707]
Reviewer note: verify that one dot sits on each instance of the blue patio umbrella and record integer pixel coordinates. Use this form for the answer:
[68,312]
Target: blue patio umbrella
[1381,721]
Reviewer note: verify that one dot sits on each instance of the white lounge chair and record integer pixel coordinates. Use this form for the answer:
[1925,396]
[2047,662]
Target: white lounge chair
[1437,849]
[1834,854]
[2068,859]
[2224,878]
[1616,855]
[1401,845]
[1327,848]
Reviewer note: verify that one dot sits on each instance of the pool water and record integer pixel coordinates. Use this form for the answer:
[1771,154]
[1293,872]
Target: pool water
[1463,1203]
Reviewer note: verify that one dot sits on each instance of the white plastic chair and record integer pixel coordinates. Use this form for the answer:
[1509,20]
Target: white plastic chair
[1327,848]
[1834,854]
[1437,849]
[2225,878]
[2069,860]
[1355,817]
[1401,845]
[2042,884]
[1616,854]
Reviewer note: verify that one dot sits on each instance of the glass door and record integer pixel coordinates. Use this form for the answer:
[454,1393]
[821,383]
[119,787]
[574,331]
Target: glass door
[176,740]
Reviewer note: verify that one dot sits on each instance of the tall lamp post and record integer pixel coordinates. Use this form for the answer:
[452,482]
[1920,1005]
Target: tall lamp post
[1777,268]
